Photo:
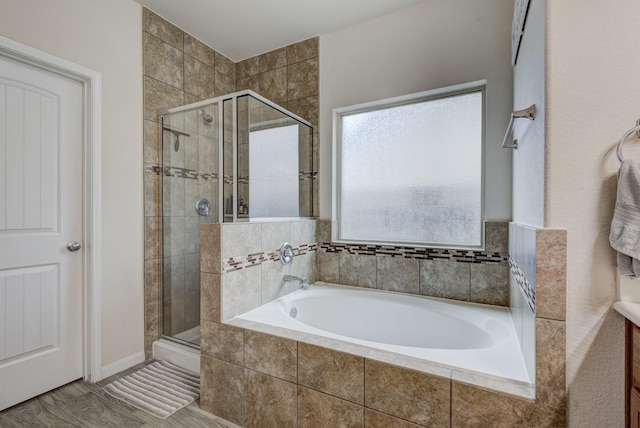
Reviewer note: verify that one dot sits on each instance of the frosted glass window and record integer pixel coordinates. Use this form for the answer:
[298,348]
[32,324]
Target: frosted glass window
[273,172]
[412,173]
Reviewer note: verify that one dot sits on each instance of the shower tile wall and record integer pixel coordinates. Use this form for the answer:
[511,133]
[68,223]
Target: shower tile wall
[289,76]
[178,69]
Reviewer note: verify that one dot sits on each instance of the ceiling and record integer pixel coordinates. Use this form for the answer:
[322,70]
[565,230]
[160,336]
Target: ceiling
[240,29]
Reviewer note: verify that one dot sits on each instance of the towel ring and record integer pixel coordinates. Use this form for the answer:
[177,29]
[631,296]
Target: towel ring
[623,139]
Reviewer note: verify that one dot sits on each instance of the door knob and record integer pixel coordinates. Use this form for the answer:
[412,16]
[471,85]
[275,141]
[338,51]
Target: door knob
[73,246]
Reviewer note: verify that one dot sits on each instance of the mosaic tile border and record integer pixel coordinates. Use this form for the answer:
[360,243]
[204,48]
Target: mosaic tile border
[171,171]
[242,262]
[462,256]
[528,292]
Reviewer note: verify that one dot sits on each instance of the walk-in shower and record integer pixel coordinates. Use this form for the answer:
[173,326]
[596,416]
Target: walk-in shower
[232,158]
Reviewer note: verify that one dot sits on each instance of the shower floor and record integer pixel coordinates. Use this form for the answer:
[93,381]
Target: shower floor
[191,335]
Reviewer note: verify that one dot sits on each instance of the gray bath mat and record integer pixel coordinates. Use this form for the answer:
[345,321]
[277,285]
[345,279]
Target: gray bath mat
[160,389]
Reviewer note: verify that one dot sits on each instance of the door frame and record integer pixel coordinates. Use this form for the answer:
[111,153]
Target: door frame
[91,199]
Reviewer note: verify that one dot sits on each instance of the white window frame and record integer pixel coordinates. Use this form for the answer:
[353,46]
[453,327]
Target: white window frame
[449,91]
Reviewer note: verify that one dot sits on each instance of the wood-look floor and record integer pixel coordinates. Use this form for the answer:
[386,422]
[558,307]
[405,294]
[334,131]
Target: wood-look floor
[82,404]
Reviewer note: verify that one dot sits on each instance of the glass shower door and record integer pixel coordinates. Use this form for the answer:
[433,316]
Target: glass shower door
[189,198]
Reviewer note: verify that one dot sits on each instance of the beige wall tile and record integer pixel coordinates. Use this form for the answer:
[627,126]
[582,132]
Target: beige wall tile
[199,50]
[373,419]
[210,248]
[496,236]
[474,407]
[324,229]
[551,273]
[318,410]
[152,193]
[446,279]
[270,402]
[151,143]
[252,83]
[328,267]
[222,389]
[158,97]
[241,291]
[225,66]
[248,67]
[151,325]
[271,355]
[398,274]
[302,50]
[241,239]
[152,227]
[199,78]
[272,60]
[302,79]
[152,280]
[210,289]
[273,285]
[162,61]
[222,341]
[489,283]
[306,108]
[273,85]
[332,372]
[358,270]
[224,84]
[305,265]
[407,394]
[303,232]
[274,234]
[550,363]
[162,29]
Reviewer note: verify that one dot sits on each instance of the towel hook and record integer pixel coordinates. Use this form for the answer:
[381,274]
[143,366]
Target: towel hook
[624,138]
[527,113]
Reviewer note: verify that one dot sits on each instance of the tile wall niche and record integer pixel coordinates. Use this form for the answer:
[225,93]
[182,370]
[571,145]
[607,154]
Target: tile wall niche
[473,276]
[178,70]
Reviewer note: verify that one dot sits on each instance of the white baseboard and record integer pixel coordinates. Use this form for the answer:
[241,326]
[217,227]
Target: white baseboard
[123,364]
[180,355]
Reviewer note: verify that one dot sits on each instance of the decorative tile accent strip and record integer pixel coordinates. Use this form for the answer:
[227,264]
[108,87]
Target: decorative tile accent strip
[242,262]
[463,256]
[528,292]
[172,171]
[228,179]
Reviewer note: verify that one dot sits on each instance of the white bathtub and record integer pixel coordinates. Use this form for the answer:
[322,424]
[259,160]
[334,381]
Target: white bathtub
[469,342]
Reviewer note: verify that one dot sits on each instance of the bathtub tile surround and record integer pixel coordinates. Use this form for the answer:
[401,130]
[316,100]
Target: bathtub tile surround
[410,395]
[223,394]
[262,391]
[331,372]
[474,276]
[441,278]
[373,419]
[318,410]
[271,355]
[398,274]
[475,407]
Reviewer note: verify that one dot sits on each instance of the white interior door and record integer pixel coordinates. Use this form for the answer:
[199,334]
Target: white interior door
[41,129]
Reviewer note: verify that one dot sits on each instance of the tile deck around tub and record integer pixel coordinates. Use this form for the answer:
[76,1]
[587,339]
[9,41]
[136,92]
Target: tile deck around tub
[516,387]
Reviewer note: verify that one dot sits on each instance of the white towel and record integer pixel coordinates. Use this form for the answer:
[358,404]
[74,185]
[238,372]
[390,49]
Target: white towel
[625,226]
